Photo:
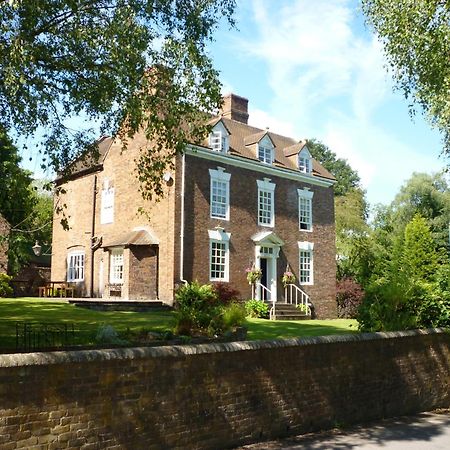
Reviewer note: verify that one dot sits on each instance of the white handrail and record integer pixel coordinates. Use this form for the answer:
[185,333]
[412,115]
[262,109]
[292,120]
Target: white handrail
[266,296]
[295,295]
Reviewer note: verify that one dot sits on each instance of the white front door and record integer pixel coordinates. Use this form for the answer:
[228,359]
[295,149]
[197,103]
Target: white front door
[266,261]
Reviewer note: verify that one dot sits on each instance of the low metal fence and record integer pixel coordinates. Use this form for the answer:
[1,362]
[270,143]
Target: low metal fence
[32,336]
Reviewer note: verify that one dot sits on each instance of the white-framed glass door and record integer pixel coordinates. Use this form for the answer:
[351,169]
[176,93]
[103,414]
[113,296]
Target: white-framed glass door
[266,260]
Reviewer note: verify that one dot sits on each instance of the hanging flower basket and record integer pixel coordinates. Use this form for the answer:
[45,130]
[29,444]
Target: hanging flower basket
[288,278]
[253,274]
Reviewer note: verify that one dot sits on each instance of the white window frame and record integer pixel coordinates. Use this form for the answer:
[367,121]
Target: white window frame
[305,161]
[219,237]
[305,217]
[266,189]
[306,250]
[76,266]
[265,150]
[116,260]
[265,154]
[221,177]
[218,139]
[107,207]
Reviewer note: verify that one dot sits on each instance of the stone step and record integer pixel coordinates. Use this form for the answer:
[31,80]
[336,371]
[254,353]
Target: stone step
[120,305]
[286,311]
[291,317]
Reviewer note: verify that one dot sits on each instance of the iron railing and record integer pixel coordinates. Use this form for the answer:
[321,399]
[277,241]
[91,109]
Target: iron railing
[32,336]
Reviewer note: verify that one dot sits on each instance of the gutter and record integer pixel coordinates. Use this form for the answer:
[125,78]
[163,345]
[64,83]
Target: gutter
[94,198]
[183,179]
[256,166]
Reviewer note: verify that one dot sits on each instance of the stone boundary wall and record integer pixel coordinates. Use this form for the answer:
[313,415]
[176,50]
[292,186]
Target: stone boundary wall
[217,396]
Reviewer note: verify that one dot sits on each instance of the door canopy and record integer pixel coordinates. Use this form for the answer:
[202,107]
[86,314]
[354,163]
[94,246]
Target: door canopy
[267,238]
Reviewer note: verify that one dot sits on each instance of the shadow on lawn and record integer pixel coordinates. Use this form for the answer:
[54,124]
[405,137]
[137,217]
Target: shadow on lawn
[267,329]
[85,322]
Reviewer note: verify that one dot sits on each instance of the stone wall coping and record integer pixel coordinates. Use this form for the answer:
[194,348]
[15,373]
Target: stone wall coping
[84,356]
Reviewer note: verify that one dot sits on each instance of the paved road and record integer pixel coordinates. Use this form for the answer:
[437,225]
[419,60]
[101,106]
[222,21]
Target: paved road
[426,431]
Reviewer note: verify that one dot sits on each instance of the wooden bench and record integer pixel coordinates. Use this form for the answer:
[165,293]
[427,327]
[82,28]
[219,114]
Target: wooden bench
[63,290]
[56,289]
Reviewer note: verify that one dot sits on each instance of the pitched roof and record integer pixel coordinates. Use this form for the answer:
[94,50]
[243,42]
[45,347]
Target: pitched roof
[254,138]
[243,135]
[136,237]
[90,162]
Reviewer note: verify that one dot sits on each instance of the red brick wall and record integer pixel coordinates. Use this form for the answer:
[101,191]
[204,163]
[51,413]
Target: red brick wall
[143,272]
[119,169]
[217,396]
[244,223]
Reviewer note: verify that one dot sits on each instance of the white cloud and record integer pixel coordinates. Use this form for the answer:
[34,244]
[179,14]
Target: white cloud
[261,119]
[383,162]
[313,55]
[328,81]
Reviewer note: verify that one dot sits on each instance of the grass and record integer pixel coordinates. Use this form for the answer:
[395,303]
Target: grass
[87,322]
[277,329]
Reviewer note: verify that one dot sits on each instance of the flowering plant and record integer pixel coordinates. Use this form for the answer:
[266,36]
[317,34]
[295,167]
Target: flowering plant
[288,278]
[253,274]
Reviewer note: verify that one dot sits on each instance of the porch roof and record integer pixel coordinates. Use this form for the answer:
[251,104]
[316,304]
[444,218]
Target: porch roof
[267,237]
[136,237]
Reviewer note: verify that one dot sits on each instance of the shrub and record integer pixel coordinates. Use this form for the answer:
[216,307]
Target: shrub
[349,297]
[200,311]
[302,307]
[257,308]
[106,334]
[434,312]
[233,315]
[434,309]
[387,307]
[195,296]
[197,306]
[225,293]
[5,288]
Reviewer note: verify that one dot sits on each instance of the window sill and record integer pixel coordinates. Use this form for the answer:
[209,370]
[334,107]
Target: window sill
[220,218]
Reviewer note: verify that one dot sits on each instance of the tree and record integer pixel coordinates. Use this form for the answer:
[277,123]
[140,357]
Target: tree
[416,38]
[423,194]
[129,66]
[346,177]
[410,289]
[351,210]
[26,206]
[16,199]
[419,258]
[352,236]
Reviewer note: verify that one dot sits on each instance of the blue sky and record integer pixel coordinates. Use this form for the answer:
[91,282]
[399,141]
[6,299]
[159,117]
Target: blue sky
[311,69]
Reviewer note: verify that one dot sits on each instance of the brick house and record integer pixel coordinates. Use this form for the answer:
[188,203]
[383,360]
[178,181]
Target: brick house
[247,196]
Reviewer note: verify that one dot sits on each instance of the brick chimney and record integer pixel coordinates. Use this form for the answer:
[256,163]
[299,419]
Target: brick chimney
[235,108]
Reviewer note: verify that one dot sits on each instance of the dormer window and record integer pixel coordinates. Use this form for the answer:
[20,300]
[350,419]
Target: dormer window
[265,150]
[218,139]
[265,154]
[305,161]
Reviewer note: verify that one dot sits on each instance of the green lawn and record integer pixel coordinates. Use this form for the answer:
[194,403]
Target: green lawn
[87,322]
[275,329]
